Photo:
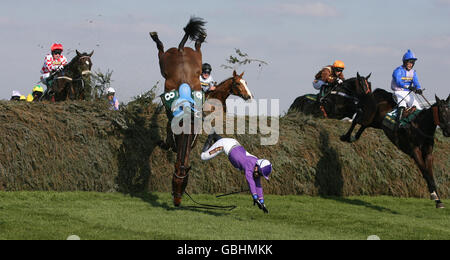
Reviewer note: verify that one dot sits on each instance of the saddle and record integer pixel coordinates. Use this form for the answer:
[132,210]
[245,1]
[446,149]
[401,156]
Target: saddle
[409,114]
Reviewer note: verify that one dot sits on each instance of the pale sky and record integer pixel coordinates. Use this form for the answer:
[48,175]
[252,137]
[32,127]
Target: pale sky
[296,38]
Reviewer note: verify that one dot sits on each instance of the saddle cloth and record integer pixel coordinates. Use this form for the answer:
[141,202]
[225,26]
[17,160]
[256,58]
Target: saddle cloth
[409,114]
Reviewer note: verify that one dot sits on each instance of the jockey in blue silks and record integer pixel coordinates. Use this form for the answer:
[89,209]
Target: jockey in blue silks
[184,100]
[405,81]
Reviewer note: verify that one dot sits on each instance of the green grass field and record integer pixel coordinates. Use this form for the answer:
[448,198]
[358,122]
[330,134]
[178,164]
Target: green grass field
[90,215]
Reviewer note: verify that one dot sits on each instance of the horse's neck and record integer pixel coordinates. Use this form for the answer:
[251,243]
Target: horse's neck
[223,91]
[71,67]
[425,121]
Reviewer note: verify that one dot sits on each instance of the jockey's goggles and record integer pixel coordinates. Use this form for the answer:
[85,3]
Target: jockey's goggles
[339,69]
[56,52]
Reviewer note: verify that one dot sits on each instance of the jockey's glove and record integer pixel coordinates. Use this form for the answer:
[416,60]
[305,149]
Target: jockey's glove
[412,88]
[340,81]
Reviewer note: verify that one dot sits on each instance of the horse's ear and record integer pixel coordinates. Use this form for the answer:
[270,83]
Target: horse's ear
[437,99]
[242,74]
[90,54]
[448,99]
[357,75]
[234,73]
[369,76]
[78,53]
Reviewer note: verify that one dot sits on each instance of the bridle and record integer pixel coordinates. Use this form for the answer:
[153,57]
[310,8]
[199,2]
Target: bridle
[234,86]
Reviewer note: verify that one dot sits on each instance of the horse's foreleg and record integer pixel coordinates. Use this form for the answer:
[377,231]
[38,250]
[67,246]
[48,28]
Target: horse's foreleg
[428,158]
[348,135]
[360,131]
[425,163]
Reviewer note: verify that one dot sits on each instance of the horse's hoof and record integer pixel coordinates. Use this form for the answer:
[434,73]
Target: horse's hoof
[434,196]
[154,35]
[176,202]
[440,205]
[345,138]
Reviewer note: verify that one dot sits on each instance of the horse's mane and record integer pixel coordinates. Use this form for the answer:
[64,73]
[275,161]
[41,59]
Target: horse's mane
[223,82]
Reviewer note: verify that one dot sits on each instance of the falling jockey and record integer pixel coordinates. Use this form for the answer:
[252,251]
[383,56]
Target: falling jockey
[253,167]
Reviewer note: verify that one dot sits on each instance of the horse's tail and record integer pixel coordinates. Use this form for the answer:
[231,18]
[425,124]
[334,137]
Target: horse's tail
[194,30]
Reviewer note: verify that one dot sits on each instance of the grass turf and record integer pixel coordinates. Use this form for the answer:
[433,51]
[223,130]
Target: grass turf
[92,216]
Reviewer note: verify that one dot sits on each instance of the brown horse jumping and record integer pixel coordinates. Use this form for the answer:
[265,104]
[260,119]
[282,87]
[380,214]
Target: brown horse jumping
[235,85]
[182,65]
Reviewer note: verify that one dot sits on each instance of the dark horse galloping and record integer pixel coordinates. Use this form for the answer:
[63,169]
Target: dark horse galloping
[73,82]
[179,66]
[417,140]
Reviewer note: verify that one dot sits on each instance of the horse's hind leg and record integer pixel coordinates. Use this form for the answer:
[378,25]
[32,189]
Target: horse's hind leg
[198,43]
[159,44]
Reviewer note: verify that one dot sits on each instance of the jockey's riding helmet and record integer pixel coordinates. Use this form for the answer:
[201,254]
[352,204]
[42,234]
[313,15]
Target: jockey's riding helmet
[56,47]
[206,68]
[409,55]
[339,64]
[264,167]
[38,88]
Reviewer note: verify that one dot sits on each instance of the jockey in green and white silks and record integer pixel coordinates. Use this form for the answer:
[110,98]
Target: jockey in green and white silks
[404,80]
[206,80]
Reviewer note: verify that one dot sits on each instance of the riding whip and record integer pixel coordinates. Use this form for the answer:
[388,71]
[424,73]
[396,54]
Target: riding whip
[231,193]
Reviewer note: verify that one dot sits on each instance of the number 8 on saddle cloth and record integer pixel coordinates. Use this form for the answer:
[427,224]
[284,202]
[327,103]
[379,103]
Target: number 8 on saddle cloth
[176,100]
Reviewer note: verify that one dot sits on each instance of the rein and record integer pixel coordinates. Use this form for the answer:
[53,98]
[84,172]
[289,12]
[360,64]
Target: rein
[209,206]
[436,120]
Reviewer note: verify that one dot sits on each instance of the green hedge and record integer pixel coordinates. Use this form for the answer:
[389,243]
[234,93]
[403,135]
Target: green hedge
[83,146]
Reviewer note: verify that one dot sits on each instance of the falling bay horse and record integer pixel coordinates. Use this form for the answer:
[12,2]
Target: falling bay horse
[235,85]
[73,82]
[180,66]
[417,141]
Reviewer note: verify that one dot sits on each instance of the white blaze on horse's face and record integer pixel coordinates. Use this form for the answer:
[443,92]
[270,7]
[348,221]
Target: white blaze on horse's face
[246,88]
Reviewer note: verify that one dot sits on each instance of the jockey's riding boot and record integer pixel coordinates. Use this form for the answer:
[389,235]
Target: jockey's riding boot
[399,117]
[216,137]
[208,142]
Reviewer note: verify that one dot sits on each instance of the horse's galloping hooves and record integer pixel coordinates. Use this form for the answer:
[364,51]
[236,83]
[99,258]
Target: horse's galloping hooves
[346,138]
[154,35]
[176,201]
[440,205]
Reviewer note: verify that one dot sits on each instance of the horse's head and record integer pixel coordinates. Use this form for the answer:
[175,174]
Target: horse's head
[443,115]
[340,102]
[239,87]
[363,86]
[343,98]
[84,62]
